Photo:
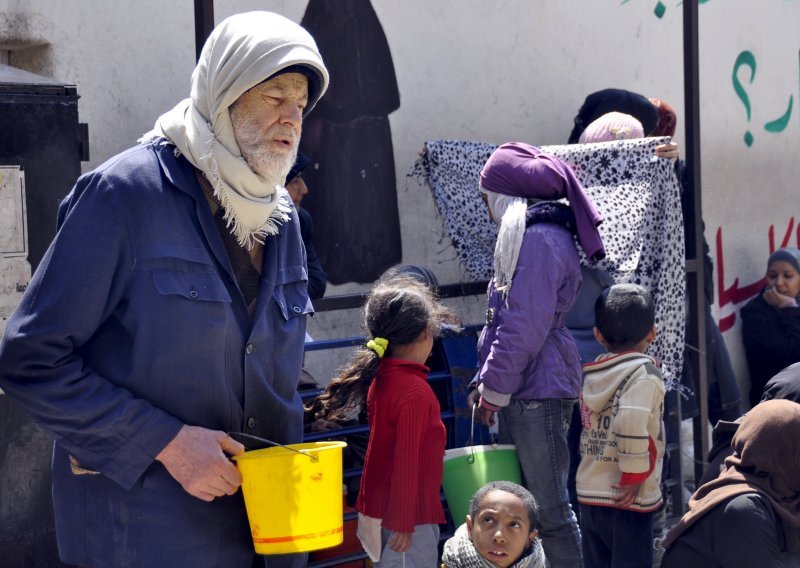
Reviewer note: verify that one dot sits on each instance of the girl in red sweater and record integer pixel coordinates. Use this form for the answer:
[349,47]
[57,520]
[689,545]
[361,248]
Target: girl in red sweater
[398,502]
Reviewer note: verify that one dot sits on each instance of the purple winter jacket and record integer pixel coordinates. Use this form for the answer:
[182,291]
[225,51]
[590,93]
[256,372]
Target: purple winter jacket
[525,351]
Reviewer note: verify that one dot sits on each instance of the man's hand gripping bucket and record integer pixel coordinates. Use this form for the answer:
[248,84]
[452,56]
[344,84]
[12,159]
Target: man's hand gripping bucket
[293,495]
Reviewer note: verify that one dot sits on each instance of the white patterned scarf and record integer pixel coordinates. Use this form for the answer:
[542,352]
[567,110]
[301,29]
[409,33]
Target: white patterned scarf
[242,51]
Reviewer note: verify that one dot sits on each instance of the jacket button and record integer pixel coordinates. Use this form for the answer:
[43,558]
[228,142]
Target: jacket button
[249,349]
[251,422]
[193,294]
[297,309]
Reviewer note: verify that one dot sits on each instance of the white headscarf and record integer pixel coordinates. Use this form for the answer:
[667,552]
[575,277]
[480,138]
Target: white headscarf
[242,51]
[508,212]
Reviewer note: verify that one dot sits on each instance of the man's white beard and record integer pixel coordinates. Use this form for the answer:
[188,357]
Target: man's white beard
[252,143]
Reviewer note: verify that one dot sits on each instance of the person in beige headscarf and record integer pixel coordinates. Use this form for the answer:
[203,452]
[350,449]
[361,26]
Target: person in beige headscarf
[750,514]
[170,311]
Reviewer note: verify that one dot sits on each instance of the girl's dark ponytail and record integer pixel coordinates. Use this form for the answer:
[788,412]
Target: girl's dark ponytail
[345,393]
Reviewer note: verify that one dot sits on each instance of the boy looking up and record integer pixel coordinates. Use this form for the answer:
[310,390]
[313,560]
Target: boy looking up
[500,531]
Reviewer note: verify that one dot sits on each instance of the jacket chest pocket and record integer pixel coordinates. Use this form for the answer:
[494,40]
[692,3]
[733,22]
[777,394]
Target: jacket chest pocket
[194,286]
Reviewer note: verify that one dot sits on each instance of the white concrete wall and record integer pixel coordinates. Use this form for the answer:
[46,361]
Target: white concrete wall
[485,70]
[128,66]
[749,190]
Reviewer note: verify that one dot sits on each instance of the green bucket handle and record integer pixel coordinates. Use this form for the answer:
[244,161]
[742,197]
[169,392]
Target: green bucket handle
[266,443]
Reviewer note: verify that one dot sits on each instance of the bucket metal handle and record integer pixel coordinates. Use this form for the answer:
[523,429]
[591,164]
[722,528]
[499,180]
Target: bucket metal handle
[235,435]
[470,442]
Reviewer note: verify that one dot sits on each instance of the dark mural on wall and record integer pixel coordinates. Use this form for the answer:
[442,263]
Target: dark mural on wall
[353,195]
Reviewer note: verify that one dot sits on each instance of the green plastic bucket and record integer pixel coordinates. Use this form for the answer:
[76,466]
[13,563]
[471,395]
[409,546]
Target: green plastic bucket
[468,469]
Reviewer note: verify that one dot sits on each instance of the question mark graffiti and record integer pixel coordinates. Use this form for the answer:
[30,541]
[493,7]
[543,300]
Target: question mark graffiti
[745,58]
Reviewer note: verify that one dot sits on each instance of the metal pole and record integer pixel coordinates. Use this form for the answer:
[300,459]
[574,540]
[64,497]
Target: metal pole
[203,24]
[695,277]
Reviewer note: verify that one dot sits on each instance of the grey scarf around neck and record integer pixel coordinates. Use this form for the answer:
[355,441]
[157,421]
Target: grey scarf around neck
[460,552]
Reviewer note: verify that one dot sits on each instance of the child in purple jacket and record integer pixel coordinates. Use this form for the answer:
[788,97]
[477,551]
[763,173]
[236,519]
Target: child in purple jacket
[530,369]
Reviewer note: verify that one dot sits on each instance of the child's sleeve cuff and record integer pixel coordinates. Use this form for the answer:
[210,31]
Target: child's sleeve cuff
[489,406]
[633,478]
[495,399]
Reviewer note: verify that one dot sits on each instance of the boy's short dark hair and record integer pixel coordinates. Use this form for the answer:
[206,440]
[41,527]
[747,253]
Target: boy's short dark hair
[509,487]
[624,314]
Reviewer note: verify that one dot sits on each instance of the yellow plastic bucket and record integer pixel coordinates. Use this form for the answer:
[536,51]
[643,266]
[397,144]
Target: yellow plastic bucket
[293,500]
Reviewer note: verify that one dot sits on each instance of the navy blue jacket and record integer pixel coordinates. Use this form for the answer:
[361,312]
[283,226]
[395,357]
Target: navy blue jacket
[134,325]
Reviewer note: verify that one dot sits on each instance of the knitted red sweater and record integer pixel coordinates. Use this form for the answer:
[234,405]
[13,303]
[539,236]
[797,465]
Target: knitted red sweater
[404,461]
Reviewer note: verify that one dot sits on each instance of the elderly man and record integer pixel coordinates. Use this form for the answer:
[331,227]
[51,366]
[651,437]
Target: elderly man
[170,309]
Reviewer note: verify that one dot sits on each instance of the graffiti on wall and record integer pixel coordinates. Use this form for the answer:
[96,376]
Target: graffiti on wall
[736,293]
[747,60]
[660,8]
[353,195]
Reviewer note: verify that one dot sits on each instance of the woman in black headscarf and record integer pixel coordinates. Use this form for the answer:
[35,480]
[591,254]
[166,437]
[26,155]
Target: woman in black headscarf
[771,321]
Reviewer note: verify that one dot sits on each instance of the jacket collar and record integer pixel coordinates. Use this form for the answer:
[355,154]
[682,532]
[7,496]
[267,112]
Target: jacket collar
[181,174]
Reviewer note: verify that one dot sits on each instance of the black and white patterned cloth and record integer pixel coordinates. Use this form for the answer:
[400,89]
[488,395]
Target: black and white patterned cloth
[637,194]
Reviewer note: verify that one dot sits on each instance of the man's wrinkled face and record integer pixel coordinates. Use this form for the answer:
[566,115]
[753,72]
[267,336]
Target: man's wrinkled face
[267,122]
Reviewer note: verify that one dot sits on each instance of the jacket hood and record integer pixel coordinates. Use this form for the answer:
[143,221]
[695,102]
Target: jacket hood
[607,372]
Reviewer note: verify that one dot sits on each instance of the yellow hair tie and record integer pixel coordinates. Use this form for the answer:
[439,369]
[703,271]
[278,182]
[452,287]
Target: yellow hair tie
[378,345]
